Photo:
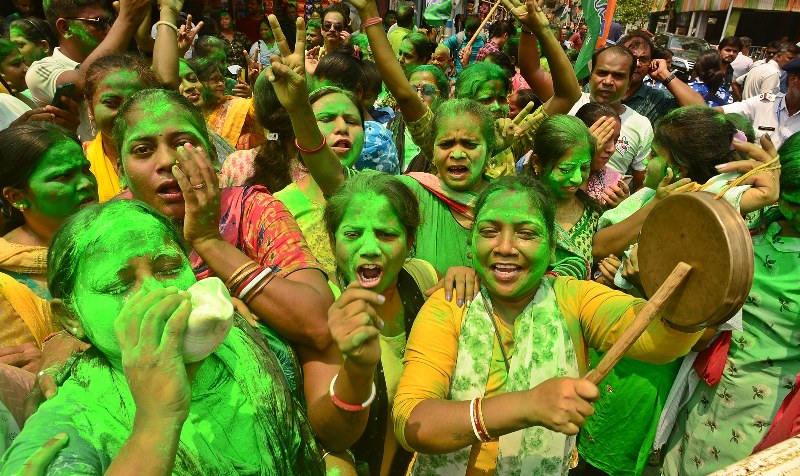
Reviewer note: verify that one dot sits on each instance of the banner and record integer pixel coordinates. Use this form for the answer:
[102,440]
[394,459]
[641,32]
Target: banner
[594,14]
[606,25]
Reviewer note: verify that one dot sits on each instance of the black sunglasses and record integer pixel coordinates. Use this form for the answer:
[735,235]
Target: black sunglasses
[336,26]
[428,90]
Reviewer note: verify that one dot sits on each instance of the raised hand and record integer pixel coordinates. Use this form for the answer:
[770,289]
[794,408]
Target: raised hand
[200,186]
[529,13]
[666,188]
[287,71]
[615,194]
[603,129]
[562,404]
[355,325]
[187,34]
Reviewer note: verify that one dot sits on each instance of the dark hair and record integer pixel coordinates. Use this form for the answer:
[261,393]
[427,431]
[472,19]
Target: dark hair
[511,48]
[471,25]
[638,37]
[55,9]
[730,41]
[272,164]
[500,28]
[442,82]
[111,63]
[708,67]
[743,124]
[476,75]
[536,192]
[662,53]
[590,112]
[24,145]
[557,135]
[339,8]
[72,242]
[209,47]
[524,96]
[399,196]
[35,29]
[371,79]
[618,50]
[790,164]
[6,48]
[160,97]
[314,24]
[461,107]
[423,47]
[341,69]
[504,61]
[405,16]
[697,138]
[204,68]
[747,42]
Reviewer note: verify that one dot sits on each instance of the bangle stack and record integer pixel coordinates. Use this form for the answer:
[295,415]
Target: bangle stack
[476,418]
[371,21]
[347,406]
[249,280]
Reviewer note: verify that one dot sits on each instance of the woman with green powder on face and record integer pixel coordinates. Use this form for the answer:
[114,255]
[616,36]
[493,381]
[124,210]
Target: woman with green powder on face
[132,405]
[245,236]
[44,179]
[494,387]
[372,221]
[690,144]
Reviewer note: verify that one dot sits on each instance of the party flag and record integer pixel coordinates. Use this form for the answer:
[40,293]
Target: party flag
[594,14]
[436,14]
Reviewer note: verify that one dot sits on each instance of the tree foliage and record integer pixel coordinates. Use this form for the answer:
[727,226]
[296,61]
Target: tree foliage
[633,12]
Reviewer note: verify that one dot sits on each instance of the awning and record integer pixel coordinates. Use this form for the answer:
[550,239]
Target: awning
[682,6]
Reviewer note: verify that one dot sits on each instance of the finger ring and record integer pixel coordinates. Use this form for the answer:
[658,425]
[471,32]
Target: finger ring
[199,186]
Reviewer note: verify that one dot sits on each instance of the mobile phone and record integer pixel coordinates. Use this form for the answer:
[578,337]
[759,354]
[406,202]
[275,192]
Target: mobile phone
[625,178]
[5,84]
[63,90]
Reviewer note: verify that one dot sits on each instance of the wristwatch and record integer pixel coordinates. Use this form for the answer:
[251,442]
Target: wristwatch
[668,78]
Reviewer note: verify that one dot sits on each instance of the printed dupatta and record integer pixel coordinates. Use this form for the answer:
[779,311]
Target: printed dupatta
[543,349]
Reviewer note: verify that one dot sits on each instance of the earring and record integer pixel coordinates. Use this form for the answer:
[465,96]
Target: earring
[20,206]
[92,127]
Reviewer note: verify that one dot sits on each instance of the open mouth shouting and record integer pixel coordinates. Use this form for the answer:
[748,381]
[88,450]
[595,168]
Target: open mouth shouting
[369,275]
[458,172]
[170,191]
[342,146]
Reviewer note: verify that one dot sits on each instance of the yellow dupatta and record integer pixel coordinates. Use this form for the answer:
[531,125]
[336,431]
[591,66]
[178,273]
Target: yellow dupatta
[108,185]
[33,310]
[229,117]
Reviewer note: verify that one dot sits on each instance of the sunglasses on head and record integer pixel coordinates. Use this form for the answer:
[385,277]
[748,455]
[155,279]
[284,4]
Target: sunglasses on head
[326,26]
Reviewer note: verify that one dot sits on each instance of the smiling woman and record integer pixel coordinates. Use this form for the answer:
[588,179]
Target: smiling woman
[44,179]
[463,403]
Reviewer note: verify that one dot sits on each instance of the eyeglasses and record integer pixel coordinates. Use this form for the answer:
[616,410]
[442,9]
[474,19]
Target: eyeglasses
[326,26]
[427,90]
[101,24]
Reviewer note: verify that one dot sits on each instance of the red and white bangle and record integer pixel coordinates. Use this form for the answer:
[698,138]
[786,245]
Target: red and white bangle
[347,406]
[476,418]
[370,22]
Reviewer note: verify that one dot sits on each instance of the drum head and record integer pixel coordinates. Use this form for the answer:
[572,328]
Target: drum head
[712,237]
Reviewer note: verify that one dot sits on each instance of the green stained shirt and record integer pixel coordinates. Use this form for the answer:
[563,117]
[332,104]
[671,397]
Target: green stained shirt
[441,240]
[651,103]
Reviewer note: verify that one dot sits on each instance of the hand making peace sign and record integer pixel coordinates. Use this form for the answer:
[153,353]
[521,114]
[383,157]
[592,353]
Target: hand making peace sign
[287,72]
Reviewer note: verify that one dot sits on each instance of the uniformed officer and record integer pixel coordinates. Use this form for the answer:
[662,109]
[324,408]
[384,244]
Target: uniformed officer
[775,114]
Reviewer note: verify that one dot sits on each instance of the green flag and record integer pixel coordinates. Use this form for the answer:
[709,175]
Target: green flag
[593,13]
[437,14]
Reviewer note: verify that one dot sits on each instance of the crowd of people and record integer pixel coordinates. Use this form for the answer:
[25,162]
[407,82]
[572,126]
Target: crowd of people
[352,246]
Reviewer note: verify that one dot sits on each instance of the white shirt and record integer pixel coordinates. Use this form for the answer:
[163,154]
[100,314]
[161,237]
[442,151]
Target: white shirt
[741,64]
[10,110]
[765,78]
[635,138]
[42,79]
[769,115]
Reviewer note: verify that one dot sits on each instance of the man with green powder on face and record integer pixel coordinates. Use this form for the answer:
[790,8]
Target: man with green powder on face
[86,31]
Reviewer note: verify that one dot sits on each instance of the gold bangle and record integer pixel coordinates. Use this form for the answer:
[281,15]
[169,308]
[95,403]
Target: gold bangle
[480,417]
[260,287]
[238,274]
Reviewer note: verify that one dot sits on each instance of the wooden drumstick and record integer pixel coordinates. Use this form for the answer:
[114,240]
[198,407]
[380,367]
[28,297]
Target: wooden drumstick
[485,20]
[639,325]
